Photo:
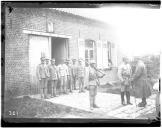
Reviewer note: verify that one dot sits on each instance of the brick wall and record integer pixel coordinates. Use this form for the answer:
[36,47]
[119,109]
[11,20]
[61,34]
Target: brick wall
[16,55]
[17,43]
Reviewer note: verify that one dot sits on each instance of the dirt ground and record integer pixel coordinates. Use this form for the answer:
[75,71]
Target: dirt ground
[26,107]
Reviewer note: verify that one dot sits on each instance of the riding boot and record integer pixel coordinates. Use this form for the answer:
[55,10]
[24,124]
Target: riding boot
[128,97]
[45,93]
[94,103]
[144,101]
[122,98]
[41,91]
[91,102]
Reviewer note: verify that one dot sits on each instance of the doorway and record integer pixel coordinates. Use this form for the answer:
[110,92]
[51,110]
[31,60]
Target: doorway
[59,49]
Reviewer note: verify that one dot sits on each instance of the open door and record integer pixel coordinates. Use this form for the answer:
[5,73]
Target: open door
[59,49]
[37,45]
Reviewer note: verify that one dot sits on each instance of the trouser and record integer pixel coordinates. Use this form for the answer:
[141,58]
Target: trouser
[53,87]
[62,84]
[43,87]
[125,89]
[92,95]
[74,82]
[69,82]
[65,84]
[81,84]
[127,96]
[144,100]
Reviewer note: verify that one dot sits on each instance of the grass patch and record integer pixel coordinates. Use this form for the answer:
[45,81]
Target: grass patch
[36,108]
[28,108]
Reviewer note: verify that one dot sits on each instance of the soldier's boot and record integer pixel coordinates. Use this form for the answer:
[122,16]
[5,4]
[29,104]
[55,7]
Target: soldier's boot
[41,91]
[75,87]
[91,102]
[74,84]
[80,89]
[62,89]
[143,103]
[94,103]
[71,90]
[122,98]
[128,97]
[52,93]
[45,93]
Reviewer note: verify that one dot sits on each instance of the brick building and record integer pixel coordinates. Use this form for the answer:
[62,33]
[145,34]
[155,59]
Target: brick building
[58,33]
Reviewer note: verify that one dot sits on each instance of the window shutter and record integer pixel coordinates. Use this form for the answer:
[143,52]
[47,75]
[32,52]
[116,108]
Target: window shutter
[81,48]
[99,54]
[50,27]
[104,54]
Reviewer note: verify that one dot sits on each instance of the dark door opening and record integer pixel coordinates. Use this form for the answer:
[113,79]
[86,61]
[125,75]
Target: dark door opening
[59,49]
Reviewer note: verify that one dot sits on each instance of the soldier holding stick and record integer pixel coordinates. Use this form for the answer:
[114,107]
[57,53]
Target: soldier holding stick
[124,74]
[94,83]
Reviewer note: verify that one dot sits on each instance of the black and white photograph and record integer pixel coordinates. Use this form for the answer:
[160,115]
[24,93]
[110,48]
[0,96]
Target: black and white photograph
[80,61]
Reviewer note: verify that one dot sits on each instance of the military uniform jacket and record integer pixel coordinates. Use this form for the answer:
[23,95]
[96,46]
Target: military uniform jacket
[93,77]
[42,71]
[62,70]
[80,71]
[74,70]
[124,72]
[53,71]
[69,70]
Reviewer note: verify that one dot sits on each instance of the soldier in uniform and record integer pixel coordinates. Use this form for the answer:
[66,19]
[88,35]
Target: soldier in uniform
[74,74]
[66,77]
[93,84]
[69,75]
[87,68]
[47,62]
[142,87]
[61,73]
[53,71]
[62,76]
[124,74]
[42,75]
[80,76]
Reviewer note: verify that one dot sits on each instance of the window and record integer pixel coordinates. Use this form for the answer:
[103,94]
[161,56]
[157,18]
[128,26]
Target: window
[91,54]
[89,50]
[50,26]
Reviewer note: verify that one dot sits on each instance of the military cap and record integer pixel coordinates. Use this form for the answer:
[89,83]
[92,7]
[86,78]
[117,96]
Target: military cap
[42,58]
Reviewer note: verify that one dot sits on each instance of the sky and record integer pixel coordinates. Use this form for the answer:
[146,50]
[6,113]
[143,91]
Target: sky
[136,30]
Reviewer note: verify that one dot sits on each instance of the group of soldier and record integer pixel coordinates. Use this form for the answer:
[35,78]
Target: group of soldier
[63,78]
[137,81]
